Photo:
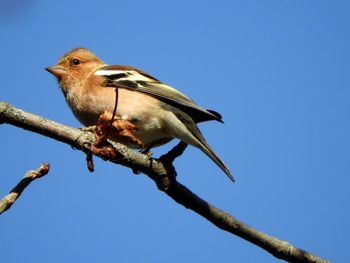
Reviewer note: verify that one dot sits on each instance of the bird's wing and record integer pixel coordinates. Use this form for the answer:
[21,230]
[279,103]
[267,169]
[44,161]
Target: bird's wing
[137,80]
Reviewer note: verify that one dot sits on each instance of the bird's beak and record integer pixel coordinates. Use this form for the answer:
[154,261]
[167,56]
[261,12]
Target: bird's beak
[57,71]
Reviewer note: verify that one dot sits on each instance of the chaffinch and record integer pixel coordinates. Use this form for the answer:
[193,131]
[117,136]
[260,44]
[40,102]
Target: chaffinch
[153,112]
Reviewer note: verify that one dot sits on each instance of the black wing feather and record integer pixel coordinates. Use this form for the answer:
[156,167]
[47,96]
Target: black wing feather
[164,93]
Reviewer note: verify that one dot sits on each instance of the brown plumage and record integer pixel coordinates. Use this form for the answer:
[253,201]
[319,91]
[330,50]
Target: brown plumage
[158,111]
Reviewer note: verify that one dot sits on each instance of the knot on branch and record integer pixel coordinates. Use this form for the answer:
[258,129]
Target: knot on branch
[165,181]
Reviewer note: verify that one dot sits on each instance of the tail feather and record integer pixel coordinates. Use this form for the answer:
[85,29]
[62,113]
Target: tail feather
[186,130]
[204,146]
[212,155]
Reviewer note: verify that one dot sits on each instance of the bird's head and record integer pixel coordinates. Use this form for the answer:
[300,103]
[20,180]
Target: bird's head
[74,67]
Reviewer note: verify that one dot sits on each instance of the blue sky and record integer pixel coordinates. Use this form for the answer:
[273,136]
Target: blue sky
[278,72]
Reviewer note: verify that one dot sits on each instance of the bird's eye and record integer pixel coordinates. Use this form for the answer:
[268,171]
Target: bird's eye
[75,61]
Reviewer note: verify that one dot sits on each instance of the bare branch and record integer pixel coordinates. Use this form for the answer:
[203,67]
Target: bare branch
[162,172]
[7,201]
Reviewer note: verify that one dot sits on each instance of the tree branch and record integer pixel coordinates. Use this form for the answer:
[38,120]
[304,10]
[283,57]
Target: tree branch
[162,172]
[7,201]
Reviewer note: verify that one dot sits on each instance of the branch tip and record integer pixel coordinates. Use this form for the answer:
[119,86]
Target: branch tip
[7,201]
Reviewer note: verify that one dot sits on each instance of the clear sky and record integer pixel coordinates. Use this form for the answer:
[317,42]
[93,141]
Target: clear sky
[278,72]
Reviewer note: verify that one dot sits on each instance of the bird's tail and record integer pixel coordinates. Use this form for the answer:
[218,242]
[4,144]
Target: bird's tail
[212,155]
[186,130]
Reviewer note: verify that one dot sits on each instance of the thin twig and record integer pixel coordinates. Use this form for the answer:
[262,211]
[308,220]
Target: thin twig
[7,201]
[174,152]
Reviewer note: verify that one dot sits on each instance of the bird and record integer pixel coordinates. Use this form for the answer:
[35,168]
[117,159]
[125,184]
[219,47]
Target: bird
[154,112]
